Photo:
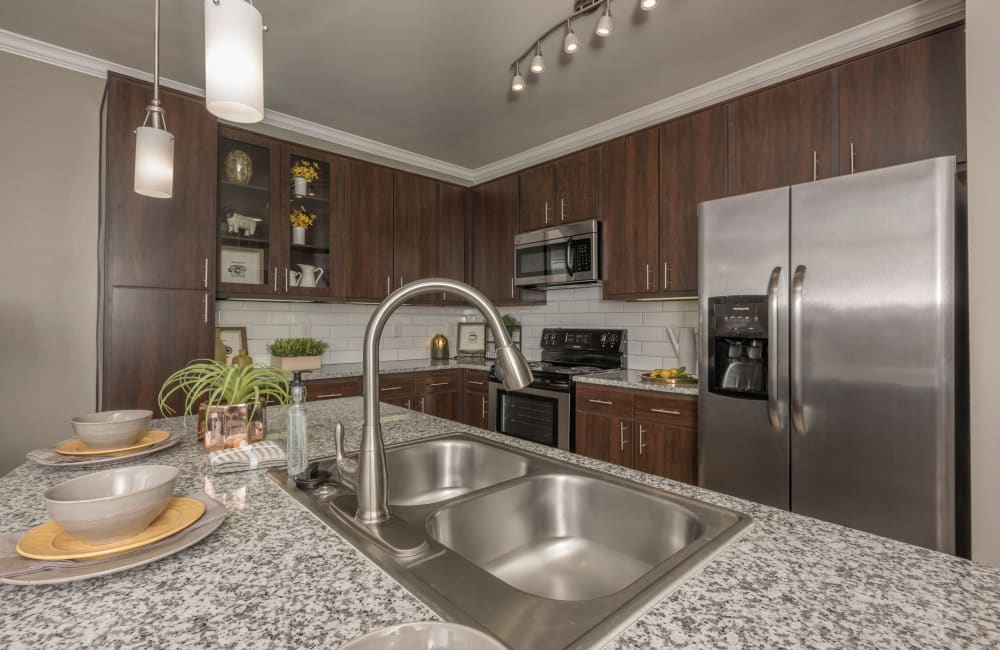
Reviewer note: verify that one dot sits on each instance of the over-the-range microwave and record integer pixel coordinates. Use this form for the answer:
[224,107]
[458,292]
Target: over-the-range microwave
[559,256]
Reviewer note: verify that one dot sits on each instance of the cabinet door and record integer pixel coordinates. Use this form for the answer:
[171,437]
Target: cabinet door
[403,402]
[452,217]
[692,169]
[332,388]
[630,187]
[442,405]
[494,224]
[537,203]
[666,451]
[476,408]
[148,334]
[604,437]
[312,266]
[577,186]
[904,104]
[368,240]
[415,228]
[782,135]
[151,242]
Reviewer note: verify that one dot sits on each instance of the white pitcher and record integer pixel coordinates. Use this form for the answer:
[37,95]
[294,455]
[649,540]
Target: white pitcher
[310,275]
[685,343]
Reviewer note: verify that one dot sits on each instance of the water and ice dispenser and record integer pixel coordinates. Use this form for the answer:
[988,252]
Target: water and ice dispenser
[737,346]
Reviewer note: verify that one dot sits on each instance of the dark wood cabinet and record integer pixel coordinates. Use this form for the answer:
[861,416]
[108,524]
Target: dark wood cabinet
[438,394]
[630,208]
[649,430]
[318,389]
[415,228]
[537,197]
[453,213]
[693,161]
[904,104]
[475,399]
[577,186]
[368,236]
[494,223]
[148,334]
[157,256]
[783,135]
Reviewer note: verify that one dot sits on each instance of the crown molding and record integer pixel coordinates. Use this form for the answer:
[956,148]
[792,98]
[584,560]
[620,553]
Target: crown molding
[877,33]
[897,26]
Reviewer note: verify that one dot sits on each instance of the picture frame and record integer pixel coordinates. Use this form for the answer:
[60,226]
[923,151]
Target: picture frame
[235,340]
[472,339]
[241,265]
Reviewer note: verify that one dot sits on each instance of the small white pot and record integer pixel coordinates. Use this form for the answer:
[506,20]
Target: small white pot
[301,186]
[299,236]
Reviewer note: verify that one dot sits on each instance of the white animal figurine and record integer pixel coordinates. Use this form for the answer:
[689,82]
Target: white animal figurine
[239,222]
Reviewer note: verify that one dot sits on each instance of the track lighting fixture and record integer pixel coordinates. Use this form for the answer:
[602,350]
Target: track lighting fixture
[517,85]
[571,43]
[154,145]
[646,5]
[537,62]
[604,22]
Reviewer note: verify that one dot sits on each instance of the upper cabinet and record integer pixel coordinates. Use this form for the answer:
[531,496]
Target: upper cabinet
[415,228]
[560,192]
[782,135]
[904,104]
[453,214]
[368,235]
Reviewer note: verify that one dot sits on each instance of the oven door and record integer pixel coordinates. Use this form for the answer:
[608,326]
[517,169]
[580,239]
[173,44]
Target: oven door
[534,414]
[553,261]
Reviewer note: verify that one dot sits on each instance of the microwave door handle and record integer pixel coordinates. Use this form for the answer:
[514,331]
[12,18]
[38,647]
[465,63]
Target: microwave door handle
[569,256]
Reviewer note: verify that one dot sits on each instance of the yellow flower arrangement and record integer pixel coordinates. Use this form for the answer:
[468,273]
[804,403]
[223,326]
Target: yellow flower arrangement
[301,218]
[306,169]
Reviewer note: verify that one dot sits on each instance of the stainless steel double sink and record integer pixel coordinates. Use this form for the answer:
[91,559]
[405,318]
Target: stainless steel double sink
[538,552]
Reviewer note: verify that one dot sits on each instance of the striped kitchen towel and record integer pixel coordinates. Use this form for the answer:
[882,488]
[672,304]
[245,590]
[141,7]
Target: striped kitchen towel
[246,457]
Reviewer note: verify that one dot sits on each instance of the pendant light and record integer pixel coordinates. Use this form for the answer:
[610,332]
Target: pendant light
[234,60]
[571,43]
[537,62]
[604,23]
[154,145]
[646,5]
[517,84]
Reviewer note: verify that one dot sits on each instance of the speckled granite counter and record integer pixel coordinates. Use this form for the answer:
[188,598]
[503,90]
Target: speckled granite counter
[337,370]
[272,576]
[631,379]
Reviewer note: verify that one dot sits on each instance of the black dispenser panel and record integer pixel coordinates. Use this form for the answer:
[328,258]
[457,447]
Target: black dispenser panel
[737,346]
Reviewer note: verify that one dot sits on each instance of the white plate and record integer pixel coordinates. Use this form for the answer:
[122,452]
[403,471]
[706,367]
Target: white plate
[59,575]
[85,461]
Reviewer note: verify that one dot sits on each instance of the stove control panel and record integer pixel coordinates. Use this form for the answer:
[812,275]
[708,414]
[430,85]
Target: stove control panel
[574,339]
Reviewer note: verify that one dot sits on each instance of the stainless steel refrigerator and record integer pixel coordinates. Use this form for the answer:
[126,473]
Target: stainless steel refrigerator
[832,358]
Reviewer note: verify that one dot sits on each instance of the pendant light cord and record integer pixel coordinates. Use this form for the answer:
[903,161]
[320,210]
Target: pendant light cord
[155,116]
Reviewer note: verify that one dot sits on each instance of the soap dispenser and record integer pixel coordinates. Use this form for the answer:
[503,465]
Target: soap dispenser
[297,447]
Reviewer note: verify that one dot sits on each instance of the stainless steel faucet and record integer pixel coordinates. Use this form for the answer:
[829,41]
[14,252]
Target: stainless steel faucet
[372,488]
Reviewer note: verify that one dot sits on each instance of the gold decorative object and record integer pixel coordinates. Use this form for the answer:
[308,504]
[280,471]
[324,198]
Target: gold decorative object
[50,542]
[439,348]
[669,381]
[239,167]
[242,359]
[77,447]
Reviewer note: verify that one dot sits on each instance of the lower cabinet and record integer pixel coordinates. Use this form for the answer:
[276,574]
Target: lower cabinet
[438,394]
[651,431]
[475,399]
[332,388]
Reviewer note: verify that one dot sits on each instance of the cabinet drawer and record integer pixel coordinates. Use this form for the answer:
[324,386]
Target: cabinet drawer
[476,381]
[395,386]
[332,388]
[603,400]
[437,382]
[677,410]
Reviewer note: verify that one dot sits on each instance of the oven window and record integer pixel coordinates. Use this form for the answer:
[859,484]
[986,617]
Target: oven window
[529,417]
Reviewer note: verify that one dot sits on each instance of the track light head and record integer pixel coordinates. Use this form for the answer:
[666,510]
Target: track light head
[646,5]
[571,43]
[537,62]
[517,84]
[604,23]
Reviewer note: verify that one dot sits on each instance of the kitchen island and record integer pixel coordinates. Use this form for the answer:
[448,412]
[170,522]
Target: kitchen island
[273,576]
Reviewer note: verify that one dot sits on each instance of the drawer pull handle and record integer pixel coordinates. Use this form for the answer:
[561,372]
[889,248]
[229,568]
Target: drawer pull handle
[665,411]
[621,436]
[642,441]
[440,383]
[330,395]
[477,383]
[601,401]
[391,388]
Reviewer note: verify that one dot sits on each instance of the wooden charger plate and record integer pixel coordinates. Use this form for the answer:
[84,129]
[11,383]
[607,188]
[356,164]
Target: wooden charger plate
[77,447]
[669,381]
[50,542]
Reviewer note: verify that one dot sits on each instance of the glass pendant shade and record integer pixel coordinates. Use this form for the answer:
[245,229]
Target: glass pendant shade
[154,162]
[234,61]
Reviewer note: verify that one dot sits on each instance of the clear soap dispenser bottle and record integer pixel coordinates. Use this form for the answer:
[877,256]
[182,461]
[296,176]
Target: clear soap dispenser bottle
[297,451]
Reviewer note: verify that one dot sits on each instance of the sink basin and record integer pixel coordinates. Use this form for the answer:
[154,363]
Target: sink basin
[438,470]
[565,537]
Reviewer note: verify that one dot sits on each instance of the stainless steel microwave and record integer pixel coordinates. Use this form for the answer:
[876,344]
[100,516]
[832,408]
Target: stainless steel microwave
[565,255]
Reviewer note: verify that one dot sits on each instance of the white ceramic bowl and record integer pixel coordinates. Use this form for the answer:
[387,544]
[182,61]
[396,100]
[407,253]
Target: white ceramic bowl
[111,429]
[112,505]
[428,635]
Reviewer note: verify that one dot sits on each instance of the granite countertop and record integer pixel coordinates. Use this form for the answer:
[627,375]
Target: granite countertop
[273,576]
[338,370]
[631,379]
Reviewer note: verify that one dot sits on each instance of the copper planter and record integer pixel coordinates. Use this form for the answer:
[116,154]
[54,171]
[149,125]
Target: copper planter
[227,425]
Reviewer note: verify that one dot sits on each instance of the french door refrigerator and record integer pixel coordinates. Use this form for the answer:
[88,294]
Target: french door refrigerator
[833,371]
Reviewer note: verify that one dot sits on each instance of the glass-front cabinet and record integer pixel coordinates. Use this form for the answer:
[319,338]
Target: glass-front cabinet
[278,216]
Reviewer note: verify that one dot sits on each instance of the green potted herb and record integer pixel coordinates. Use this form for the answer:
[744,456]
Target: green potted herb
[297,354]
[229,400]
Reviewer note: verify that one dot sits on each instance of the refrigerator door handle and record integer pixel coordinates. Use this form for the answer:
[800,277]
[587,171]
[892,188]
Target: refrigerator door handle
[795,347]
[772,349]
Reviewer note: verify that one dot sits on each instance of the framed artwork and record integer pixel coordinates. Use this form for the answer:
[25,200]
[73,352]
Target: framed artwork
[241,265]
[472,338]
[235,340]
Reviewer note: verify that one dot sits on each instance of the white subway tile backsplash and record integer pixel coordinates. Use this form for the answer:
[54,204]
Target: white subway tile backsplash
[663,318]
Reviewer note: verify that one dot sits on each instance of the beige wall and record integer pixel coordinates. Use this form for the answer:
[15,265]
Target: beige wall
[983,79]
[49,137]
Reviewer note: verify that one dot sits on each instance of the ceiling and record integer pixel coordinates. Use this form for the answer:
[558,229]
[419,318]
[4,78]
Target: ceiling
[432,77]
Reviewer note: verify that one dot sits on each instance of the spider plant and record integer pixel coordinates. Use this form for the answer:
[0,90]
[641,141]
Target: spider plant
[215,383]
